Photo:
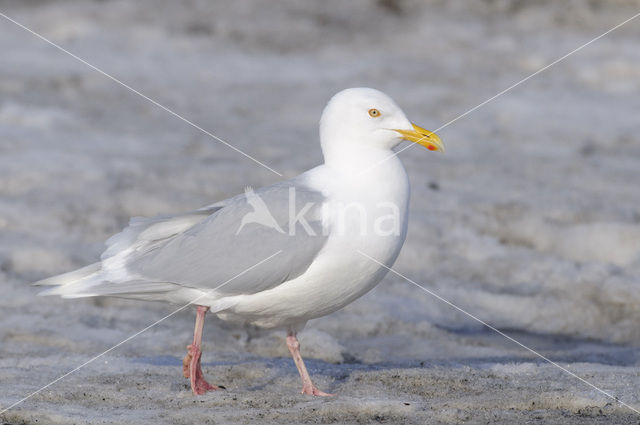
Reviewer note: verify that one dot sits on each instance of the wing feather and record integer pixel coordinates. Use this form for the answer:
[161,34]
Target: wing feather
[205,248]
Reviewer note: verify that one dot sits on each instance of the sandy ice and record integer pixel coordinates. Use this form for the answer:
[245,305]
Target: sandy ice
[530,222]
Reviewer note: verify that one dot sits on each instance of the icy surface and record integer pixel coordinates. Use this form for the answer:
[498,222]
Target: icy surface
[531,221]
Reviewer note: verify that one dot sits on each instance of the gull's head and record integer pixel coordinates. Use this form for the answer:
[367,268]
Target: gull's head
[362,118]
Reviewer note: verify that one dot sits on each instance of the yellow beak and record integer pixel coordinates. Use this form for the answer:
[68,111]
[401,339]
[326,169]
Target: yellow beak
[426,138]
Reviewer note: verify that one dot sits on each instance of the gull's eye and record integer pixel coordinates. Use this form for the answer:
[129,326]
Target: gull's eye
[374,113]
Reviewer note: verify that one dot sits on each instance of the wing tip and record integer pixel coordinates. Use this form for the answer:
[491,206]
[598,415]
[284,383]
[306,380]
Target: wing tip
[69,277]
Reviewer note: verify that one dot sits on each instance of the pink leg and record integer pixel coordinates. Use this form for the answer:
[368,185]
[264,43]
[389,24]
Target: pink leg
[294,349]
[191,363]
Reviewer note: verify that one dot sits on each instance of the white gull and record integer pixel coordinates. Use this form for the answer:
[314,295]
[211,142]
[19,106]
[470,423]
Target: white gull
[282,254]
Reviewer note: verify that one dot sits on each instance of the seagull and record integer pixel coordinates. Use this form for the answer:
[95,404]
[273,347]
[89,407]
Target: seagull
[279,255]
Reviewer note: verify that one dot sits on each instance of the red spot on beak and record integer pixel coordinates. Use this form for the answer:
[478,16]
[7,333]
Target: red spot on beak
[431,148]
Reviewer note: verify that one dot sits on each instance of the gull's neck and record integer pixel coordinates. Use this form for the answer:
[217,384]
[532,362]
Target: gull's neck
[357,163]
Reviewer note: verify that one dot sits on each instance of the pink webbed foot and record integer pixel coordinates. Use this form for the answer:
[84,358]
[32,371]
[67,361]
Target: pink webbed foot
[191,369]
[312,390]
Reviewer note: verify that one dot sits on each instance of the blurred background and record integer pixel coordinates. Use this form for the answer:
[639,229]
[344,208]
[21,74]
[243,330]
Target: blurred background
[530,221]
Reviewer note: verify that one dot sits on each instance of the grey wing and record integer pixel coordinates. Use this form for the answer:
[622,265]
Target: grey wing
[144,232]
[224,248]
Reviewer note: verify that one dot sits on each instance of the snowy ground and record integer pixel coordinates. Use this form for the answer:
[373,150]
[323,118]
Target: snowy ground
[531,221]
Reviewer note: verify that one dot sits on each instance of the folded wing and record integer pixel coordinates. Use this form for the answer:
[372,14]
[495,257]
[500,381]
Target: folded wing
[213,249]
